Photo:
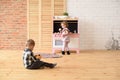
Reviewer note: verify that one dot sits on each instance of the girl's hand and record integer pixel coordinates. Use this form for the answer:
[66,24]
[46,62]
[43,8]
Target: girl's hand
[60,30]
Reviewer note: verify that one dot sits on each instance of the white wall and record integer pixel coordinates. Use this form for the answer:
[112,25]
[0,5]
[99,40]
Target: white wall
[97,18]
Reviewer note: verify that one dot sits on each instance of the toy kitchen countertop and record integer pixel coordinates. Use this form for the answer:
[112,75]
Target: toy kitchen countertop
[72,35]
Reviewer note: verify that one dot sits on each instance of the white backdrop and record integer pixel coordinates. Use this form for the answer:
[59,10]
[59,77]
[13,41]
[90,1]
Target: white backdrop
[97,18]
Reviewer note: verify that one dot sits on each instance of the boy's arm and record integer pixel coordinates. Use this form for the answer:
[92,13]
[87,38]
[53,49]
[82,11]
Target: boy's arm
[33,57]
[38,56]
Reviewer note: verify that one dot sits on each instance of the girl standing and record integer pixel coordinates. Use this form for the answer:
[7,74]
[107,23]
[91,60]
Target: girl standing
[65,37]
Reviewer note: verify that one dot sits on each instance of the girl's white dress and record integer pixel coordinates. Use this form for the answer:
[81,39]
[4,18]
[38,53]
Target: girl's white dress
[66,37]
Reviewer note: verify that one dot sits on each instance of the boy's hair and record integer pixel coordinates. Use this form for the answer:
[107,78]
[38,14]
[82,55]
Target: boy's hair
[30,42]
[65,23]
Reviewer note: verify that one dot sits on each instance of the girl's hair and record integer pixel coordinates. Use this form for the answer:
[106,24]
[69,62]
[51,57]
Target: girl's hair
[65,23]
[30,42]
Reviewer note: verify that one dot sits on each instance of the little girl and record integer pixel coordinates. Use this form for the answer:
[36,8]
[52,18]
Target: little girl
[65,37]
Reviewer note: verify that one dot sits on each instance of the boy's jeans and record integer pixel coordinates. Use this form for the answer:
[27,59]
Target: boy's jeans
[39,64]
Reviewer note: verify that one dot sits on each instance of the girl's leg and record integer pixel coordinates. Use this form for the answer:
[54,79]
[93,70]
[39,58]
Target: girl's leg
[67,48]
[63,48]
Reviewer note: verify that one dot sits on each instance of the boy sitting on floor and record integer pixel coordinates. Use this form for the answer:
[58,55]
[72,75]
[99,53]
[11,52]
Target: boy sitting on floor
[33,62]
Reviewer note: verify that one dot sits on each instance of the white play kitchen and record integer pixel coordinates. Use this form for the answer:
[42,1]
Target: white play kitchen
[74,34]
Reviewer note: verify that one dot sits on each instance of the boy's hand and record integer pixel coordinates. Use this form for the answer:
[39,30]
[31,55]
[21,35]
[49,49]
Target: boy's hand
[38,56]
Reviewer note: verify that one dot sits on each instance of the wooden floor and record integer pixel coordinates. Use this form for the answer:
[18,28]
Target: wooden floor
[88,65]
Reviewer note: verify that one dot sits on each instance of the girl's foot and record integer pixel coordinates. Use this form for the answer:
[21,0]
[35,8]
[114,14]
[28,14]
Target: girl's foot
[63,52]
[68,53]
